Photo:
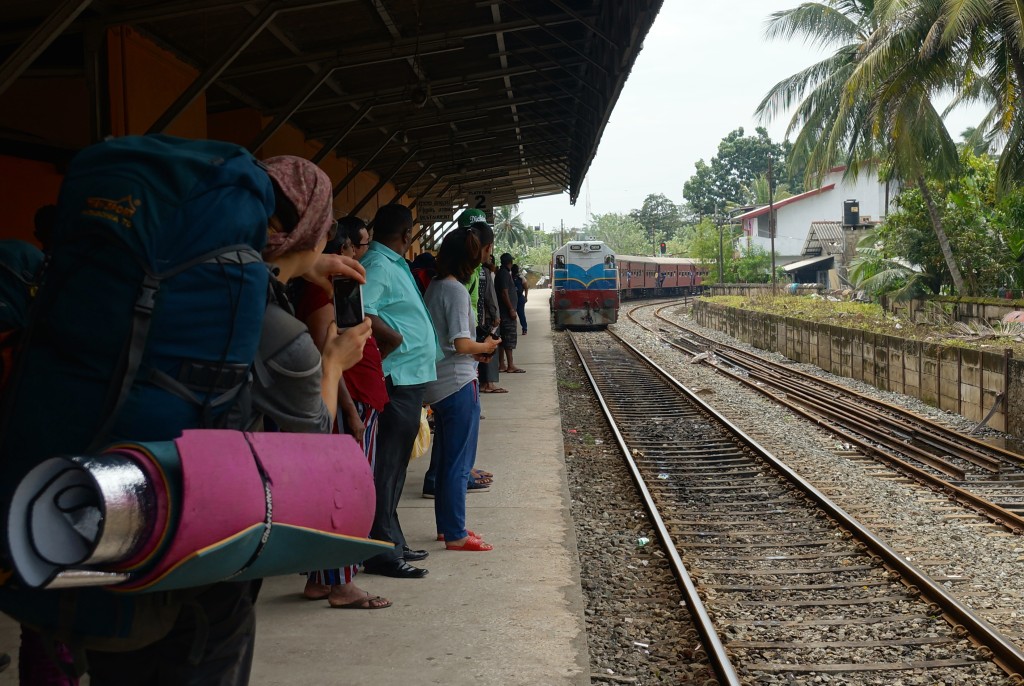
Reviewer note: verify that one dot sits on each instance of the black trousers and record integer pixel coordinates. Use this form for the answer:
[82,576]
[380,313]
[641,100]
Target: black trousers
[396,432]
[225,657]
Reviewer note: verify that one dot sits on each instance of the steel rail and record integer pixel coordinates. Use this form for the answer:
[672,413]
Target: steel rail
[1005,653]
[973,445]
[717,654]
[1000,516]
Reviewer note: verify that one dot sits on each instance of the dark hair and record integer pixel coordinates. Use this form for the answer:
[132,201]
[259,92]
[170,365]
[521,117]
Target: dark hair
[426,260]
[460,254]
[350,227]
[391,220]
[506,258]
[485,232]
[515,270]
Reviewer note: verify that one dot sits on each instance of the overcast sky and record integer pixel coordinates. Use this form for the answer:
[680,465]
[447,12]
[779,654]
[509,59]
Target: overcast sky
[703,70]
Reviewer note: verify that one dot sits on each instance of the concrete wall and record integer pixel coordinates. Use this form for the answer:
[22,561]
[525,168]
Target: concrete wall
[921,310]
[967,382]
[749,289]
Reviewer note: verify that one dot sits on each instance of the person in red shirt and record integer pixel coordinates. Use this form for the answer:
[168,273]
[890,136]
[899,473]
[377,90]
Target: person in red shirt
[361,398]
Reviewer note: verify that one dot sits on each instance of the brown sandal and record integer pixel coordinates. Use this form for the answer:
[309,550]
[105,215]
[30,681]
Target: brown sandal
[364,603]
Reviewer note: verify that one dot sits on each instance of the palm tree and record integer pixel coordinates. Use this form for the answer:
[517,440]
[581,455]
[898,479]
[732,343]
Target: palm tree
[878,275]
[870,101]
[989,36]
[817,92]
[509,229]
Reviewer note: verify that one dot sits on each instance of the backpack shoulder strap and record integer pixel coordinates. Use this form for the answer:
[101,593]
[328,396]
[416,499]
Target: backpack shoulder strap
[280,328]
[132,357]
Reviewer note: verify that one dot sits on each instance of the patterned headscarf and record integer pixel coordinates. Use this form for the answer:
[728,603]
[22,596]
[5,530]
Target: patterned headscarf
[310,190]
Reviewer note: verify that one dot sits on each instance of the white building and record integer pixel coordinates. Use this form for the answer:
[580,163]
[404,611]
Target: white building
[795,214]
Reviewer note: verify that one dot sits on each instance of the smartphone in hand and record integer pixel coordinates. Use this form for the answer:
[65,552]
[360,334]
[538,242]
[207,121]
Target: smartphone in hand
[348,302]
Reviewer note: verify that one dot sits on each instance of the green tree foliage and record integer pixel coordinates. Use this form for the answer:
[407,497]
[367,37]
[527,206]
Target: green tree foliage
[510,231]
[537,258]
[982,230]
[727,181]
[704,244]
[702,196]
[870,100]
[659,214]
[975,47]
[622,233]
[882,276]
[753,265]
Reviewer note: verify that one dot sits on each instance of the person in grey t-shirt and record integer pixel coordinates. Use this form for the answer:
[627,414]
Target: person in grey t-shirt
[454,396]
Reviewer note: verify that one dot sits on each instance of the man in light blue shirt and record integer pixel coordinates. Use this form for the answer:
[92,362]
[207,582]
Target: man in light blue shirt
[408,344]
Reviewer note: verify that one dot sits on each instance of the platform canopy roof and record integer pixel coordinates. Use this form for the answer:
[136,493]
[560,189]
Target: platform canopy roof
[510,96]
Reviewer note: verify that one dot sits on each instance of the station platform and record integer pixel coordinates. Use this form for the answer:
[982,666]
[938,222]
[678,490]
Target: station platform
[512,616]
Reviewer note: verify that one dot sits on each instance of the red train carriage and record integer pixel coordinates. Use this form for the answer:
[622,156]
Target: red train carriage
[647,277]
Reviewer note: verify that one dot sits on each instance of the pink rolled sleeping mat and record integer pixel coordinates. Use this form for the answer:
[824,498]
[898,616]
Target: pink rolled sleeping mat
[211,506]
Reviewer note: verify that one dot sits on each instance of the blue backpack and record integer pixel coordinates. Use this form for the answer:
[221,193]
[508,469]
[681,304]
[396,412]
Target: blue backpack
[146,322]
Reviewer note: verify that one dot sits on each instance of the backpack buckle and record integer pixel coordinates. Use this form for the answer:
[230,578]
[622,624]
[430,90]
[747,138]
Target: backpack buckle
[146,301]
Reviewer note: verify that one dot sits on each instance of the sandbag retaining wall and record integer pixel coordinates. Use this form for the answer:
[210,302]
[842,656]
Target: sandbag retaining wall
[959,380]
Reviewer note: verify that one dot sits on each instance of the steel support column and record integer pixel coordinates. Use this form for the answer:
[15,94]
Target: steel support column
[384,180]
[199,86]
[298,99]
[336,140]
[408,186]
[361,167]
[40,39]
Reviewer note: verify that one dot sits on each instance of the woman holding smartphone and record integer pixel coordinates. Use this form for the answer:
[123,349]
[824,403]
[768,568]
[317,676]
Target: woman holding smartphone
[454,396]
[362,396]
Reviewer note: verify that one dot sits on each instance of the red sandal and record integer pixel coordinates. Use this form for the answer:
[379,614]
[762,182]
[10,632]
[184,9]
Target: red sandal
[469,533]
[472,544]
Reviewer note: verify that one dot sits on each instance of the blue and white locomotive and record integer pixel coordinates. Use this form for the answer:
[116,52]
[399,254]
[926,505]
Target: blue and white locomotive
[584,285]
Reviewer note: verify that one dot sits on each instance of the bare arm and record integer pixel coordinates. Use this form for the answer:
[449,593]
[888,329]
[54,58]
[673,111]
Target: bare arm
[467,346]
[388,339]
[319,324]
[341,351]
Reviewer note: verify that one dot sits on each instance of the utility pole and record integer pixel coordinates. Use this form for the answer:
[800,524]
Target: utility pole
[721,248]
[771,221]
[561,229]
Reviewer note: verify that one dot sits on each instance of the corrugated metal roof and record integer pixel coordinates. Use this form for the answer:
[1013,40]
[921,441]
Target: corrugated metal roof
[794,266]
[511,95]
[824,238]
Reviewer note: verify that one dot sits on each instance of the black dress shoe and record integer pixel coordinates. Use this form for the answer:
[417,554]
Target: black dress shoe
[411,555]
[399,569]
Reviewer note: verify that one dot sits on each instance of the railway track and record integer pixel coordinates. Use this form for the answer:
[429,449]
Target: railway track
[984,478]
[785,585]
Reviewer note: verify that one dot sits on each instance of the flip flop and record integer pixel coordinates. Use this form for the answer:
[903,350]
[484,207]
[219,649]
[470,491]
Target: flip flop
[480,474]
[477,487]
[440,537]
[517,370]
[364,603]
[472,544]
[495,390]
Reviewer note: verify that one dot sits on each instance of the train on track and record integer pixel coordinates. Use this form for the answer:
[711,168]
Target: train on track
[588,281]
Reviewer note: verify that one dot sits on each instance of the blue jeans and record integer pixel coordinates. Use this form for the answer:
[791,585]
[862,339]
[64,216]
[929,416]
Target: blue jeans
[456,429]
[521,311]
